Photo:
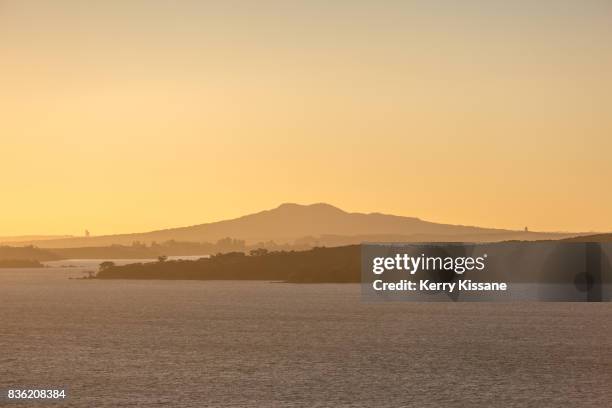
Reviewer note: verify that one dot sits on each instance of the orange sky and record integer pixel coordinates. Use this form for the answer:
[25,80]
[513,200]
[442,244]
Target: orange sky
[139,115]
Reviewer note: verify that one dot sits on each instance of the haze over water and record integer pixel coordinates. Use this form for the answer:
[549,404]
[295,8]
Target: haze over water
[217,343]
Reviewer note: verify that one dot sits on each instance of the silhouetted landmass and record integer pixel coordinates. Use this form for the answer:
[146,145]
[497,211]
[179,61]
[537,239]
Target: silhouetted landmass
[309,226]
[339,264]
[27,253]
[135,251]
[290,227]
[139,250]
[562,264]
[591,238]
[20,263]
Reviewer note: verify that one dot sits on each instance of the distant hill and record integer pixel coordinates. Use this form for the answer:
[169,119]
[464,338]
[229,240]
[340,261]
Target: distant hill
[310,225]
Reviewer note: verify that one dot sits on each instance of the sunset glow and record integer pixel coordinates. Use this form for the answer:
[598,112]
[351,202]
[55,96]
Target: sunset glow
[141,115]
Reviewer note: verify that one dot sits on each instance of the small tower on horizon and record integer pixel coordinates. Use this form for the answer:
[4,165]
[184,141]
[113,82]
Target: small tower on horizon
[87,233]
[526,229]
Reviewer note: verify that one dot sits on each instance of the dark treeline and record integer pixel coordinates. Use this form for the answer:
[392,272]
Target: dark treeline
[340,264]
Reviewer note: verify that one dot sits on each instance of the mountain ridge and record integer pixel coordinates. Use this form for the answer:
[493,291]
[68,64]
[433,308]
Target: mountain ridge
[290,222]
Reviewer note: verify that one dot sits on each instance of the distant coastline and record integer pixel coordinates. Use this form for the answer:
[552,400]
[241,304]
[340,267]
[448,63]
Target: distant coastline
[343,264]
[20,263]
[139,250]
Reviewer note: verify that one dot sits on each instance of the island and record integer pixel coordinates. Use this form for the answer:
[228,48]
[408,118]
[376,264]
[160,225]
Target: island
[317,265]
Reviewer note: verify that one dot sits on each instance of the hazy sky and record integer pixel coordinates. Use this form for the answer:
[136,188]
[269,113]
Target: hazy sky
[124,116]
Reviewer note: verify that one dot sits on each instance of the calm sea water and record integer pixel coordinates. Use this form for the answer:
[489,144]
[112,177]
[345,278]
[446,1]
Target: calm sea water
[222,344]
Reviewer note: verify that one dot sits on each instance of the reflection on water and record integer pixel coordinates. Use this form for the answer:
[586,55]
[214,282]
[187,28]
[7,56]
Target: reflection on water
[191,343]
